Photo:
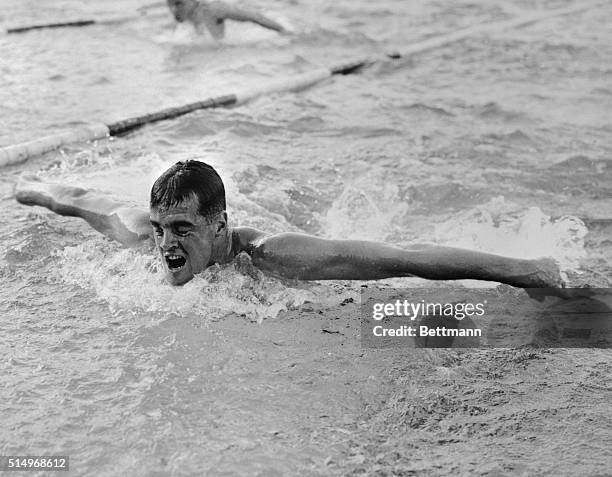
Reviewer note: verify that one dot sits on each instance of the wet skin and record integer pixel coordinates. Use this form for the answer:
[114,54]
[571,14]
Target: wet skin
[182,9]
[212,16]
[187,242]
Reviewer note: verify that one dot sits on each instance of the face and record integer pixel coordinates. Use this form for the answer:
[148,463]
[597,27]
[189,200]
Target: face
[184,239]
[181,9]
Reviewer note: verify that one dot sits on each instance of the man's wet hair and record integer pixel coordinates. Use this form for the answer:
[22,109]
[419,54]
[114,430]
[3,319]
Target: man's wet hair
[185,180]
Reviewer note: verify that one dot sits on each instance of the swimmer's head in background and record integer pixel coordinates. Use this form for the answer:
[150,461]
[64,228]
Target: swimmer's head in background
[190,180]
[182,9]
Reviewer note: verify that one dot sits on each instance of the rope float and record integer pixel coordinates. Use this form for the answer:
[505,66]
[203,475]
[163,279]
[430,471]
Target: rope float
[82,23]
[77,23]
[19,153]
[126,125]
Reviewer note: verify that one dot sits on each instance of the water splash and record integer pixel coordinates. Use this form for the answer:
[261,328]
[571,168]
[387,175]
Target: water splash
[132,281]
[98,169]
[357,214]
[499,227]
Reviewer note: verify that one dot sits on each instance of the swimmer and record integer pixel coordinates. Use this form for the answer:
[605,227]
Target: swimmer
[188,221]
[212,15]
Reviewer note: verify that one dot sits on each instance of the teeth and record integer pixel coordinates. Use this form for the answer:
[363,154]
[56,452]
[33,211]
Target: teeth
[173,257]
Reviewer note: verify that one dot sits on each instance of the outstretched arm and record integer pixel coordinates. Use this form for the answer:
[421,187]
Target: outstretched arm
[232,12]
[311,258]
[121,222]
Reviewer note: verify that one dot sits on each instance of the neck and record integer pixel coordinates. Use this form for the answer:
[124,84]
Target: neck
[222,251]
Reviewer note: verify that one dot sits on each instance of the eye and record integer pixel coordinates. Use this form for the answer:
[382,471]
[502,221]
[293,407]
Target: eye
[182,232]
[158,231]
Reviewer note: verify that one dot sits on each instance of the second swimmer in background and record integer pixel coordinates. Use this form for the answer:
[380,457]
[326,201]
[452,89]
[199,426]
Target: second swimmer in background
[212,15]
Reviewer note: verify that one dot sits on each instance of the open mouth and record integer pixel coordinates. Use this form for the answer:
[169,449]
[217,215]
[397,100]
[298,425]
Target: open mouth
[175,262]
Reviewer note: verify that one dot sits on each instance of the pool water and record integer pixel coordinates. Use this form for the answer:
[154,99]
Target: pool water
[499,143]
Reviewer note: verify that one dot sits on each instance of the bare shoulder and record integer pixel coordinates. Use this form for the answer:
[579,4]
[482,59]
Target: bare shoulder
[247,239]
[232,12]
[218,8]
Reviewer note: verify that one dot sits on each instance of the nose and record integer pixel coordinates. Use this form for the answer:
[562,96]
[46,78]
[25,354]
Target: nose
[168,241]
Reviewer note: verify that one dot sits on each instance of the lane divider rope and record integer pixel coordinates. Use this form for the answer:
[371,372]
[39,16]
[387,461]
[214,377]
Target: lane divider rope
[22,152]
[84,23]
[76,23]
[19,153]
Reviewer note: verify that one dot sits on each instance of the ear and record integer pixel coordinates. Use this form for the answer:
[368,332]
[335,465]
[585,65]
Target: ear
[220,222]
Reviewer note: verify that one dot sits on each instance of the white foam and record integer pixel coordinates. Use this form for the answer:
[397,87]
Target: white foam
[132,281]
[181,34]
[500,227]
[355,214]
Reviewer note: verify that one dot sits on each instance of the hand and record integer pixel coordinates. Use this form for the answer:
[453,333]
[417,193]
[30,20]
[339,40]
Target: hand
[546,274]
[546,280]
[549,282]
